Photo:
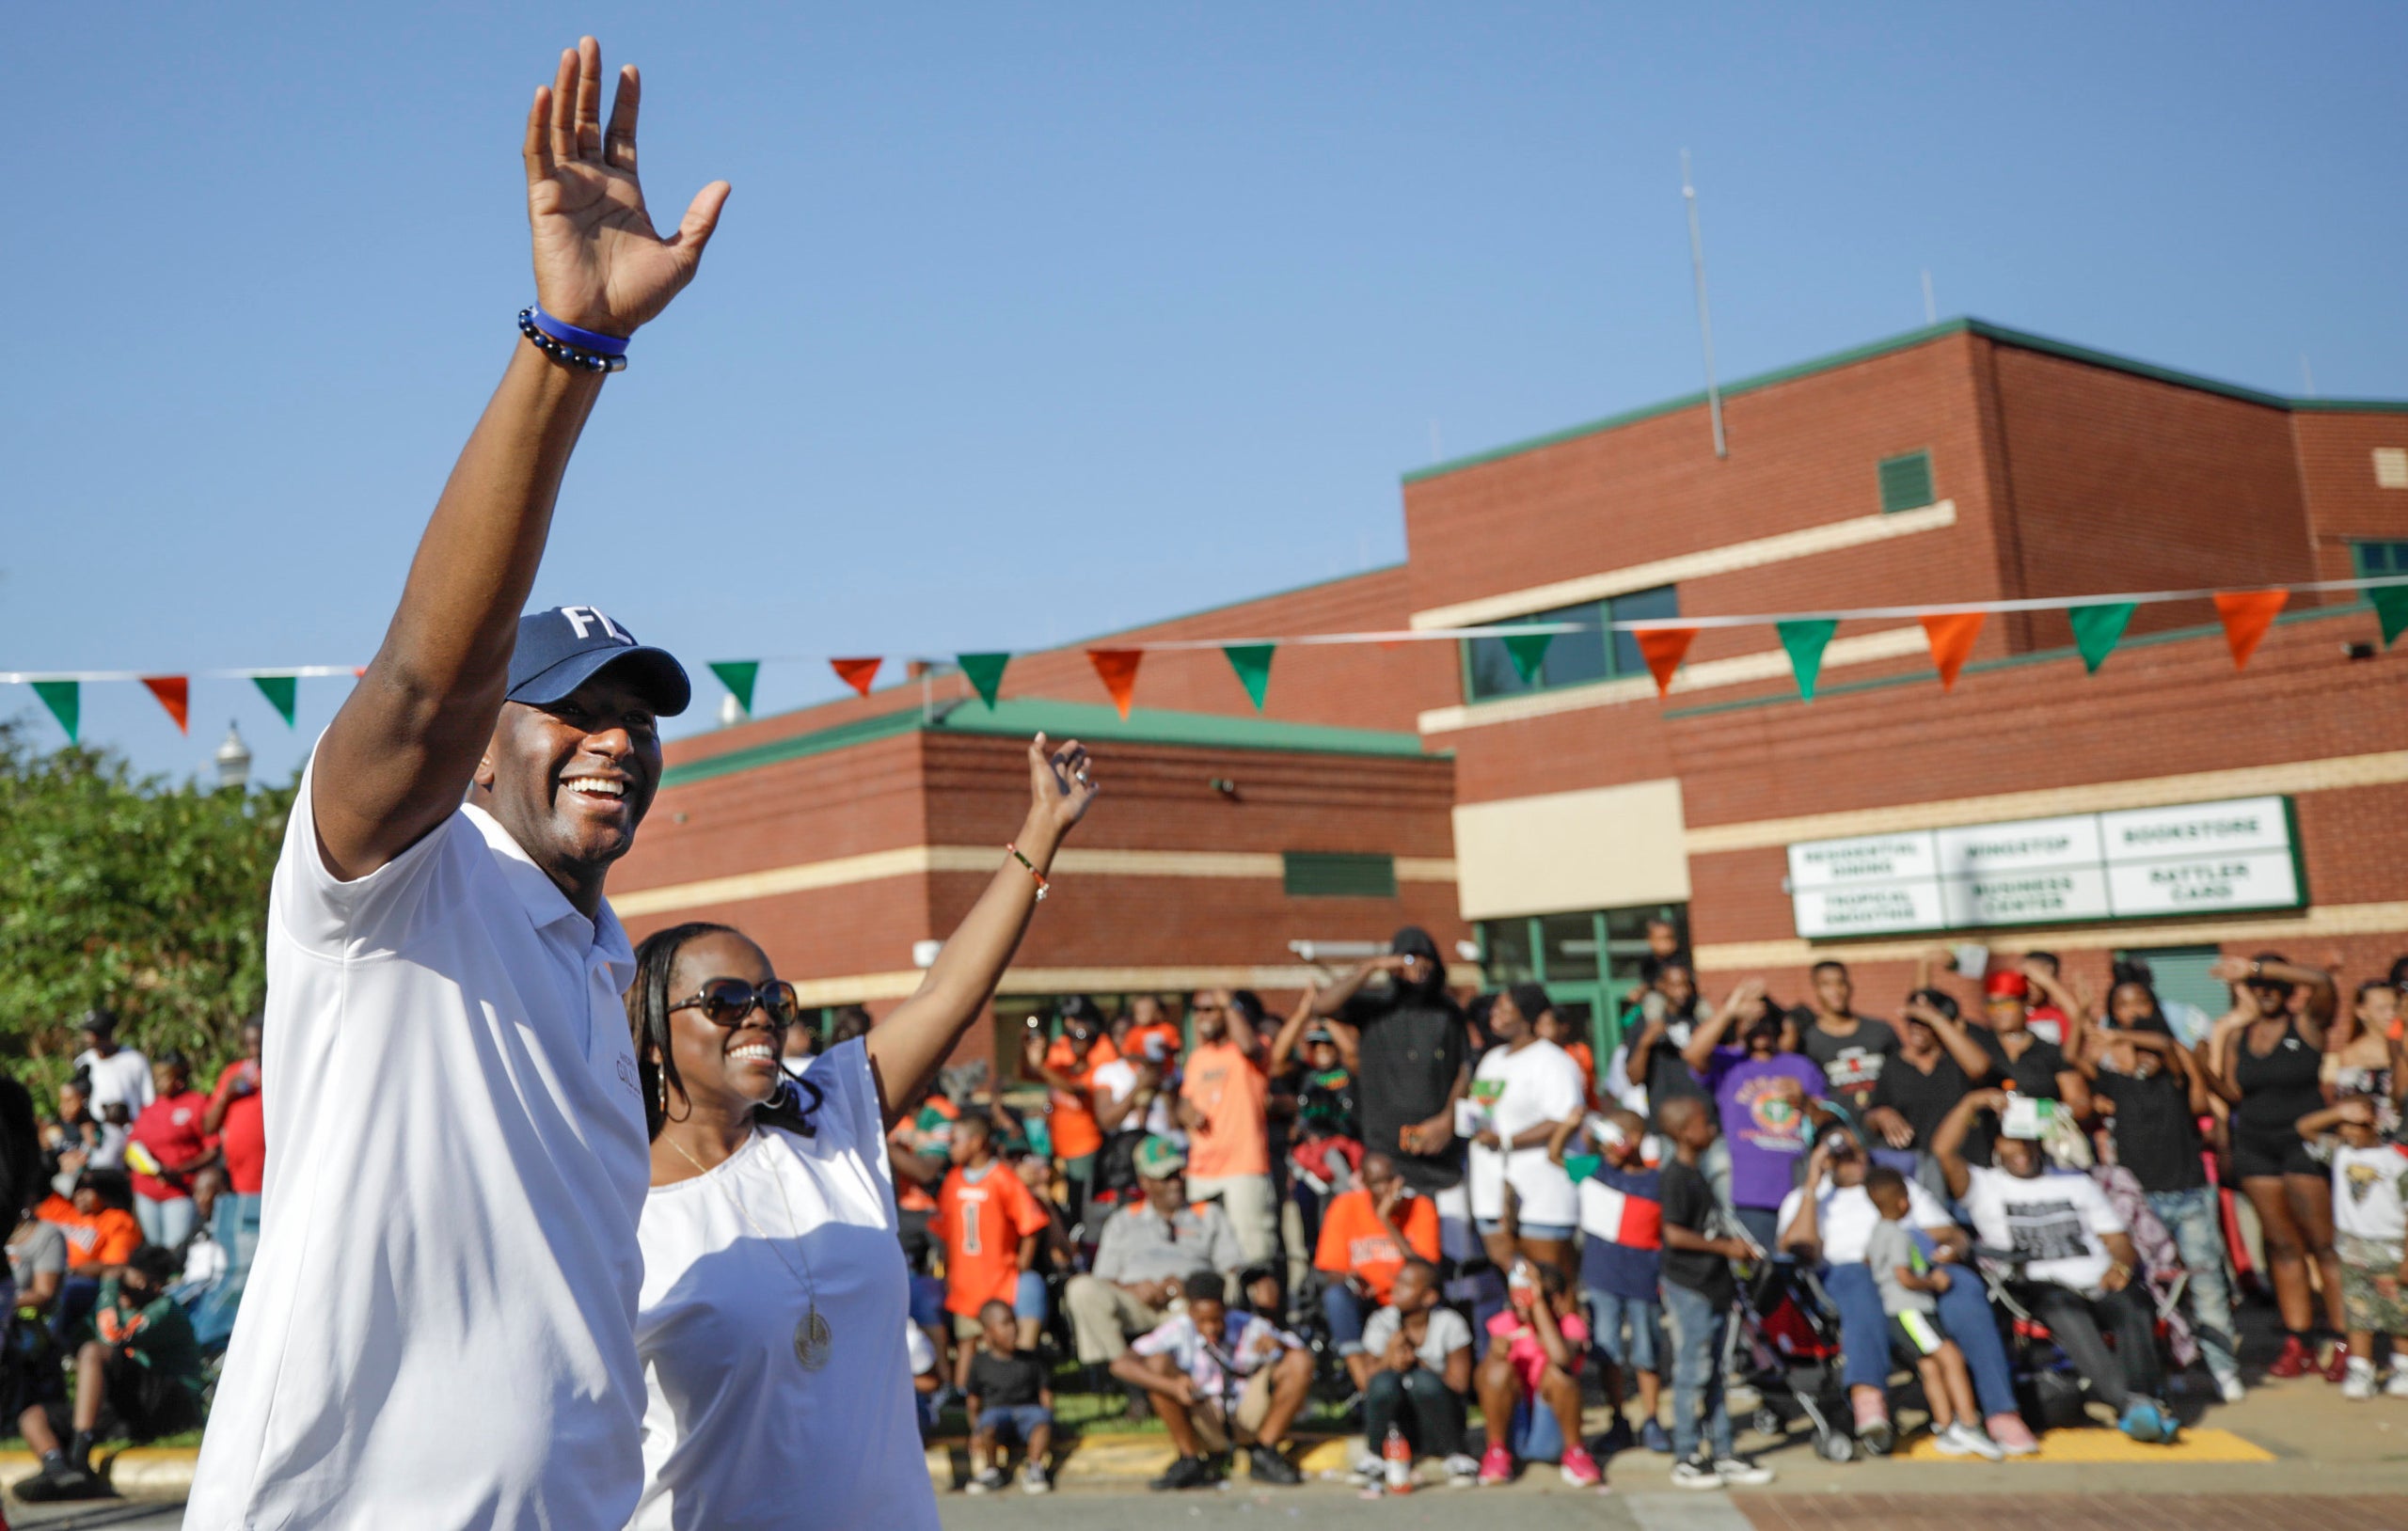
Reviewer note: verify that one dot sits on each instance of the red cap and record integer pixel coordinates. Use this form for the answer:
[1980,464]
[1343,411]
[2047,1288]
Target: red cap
[2005,985]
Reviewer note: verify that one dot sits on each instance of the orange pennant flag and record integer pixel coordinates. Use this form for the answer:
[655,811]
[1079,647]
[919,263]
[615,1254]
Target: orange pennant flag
[1664,649]
[175,694]
[857,673]
[1951,634]
[2247,615]
[1117,670]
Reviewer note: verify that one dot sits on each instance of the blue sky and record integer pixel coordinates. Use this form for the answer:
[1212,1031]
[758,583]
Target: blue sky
[1026,321]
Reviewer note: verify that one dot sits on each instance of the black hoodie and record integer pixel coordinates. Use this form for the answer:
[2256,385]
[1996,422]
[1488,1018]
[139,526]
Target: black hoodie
[1413,1049]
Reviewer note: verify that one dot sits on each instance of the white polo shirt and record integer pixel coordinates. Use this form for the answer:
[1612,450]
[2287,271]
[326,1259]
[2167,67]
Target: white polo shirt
[122,1076]
[440,1326]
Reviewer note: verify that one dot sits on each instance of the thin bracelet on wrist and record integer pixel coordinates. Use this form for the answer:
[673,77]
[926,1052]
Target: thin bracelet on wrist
[1042,886]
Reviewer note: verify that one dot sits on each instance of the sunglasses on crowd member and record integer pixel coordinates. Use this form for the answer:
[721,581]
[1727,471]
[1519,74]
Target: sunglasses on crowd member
[725,1001]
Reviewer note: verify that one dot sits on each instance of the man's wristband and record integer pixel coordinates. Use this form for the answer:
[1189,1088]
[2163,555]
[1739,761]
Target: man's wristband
[584,339]
[532,323]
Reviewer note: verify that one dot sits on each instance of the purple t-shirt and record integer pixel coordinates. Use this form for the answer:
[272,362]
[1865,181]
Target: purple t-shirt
[1767,1136]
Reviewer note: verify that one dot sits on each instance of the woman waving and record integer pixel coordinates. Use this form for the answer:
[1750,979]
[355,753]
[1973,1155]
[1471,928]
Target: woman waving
[772,1319]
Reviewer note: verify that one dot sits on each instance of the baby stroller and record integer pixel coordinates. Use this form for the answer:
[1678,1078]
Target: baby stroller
[1786,1347]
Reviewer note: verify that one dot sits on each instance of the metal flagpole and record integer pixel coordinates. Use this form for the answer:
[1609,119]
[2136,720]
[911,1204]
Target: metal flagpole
[1704,320]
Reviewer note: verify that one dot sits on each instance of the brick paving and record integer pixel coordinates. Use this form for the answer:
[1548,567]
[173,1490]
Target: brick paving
[2071,1513]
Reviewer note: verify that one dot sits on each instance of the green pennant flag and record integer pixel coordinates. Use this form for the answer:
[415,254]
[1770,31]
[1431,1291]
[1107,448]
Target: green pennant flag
[2390,604]
[1252,661]
[65,699]
[1527,650]
[738,675]
[985,672]
[2097,630]
[282,692]
[1805,641]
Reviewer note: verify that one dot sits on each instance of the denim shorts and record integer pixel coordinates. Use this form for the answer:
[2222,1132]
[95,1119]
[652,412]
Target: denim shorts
[1556,1233]
[1645,1348]
[1017,1423]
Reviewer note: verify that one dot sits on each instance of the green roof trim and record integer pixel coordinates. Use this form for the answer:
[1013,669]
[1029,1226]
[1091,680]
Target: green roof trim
[2012,661]
[1022,718]
[2021,339]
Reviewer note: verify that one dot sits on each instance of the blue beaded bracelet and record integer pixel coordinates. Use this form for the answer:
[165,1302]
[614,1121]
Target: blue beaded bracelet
[565,353]
[583,339]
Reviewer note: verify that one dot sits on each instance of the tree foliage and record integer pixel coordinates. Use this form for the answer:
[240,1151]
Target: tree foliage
[131,892]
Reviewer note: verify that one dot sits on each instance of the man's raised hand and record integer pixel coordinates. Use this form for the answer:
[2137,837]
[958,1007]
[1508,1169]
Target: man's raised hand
[598,263]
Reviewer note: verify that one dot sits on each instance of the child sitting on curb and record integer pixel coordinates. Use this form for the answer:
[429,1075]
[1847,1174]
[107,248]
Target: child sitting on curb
[1910,1286]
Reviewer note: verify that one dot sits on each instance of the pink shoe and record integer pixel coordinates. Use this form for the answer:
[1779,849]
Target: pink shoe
[1496,1466]
[1579,1468]
[2011,1435]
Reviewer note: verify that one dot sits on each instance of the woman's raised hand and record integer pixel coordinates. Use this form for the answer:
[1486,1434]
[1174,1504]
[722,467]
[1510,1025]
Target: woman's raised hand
[1061,785]
[598,263]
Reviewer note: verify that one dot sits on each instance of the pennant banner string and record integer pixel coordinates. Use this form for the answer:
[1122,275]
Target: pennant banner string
[2382,590]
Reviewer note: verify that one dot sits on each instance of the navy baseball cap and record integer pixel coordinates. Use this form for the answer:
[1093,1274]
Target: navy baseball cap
[562,649]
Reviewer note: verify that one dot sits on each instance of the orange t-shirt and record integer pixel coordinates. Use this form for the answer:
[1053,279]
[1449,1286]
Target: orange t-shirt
[1229,1088]
[1069,1117]
[1581,1054]
[981,1223]
[1353,1241]
[1159,1041]
[109,1237]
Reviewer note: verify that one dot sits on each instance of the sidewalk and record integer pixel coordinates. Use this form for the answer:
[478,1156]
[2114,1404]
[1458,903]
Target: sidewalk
[2286,1439]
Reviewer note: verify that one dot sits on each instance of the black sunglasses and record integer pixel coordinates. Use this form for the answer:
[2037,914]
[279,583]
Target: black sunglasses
[725,1001]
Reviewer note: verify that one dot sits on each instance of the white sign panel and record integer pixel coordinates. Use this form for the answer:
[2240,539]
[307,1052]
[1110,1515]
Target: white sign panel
[2254,879]
[1984,848]
[1881,857]
[1870,911]
[2139,864]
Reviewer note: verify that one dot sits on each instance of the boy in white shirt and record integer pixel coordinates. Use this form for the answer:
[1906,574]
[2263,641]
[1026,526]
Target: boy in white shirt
[1215,1374]
[2370,1234]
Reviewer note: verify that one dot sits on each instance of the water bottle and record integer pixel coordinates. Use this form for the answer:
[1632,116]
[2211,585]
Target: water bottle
[1396,1455]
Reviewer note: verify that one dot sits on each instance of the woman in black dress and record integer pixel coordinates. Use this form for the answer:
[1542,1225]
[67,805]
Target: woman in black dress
[2265,1059]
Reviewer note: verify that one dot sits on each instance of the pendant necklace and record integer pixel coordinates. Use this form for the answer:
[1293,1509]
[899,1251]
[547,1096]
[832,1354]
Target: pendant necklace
[813,1341]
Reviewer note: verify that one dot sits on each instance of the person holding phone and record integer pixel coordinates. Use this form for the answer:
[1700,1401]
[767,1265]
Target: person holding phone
[774,1286]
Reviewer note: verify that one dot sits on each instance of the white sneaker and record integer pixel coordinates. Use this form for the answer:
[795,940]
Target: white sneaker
[1695,1476]
[1033,1480]
[1463,1471]
[2233,1391]
[1962,1440]
[2360,1383]
[1739,1472]
[2398,1386]
[1372,1469]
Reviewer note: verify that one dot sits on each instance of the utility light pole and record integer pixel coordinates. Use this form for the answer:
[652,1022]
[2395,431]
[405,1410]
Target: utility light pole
[1704,320]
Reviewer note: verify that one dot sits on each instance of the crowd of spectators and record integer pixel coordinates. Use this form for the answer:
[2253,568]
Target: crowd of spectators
[1412,1204]
[137,1210]
[1431,1204]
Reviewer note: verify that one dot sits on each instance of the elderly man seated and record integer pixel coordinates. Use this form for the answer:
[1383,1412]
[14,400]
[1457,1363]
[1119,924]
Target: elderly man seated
[1149,1252]
[1829,1220]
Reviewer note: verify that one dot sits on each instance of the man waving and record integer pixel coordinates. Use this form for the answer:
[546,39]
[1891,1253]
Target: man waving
[438,1330]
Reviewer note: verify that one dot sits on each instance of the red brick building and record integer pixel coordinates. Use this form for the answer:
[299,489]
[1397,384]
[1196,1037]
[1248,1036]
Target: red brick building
[1428,781]
[1962,462]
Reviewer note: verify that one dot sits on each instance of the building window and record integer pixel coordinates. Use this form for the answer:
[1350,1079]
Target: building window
[1593,653]
[1608,946]
[1319,874]
[1905,483]
[2191,996]
[2374,560]
[2391,468]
